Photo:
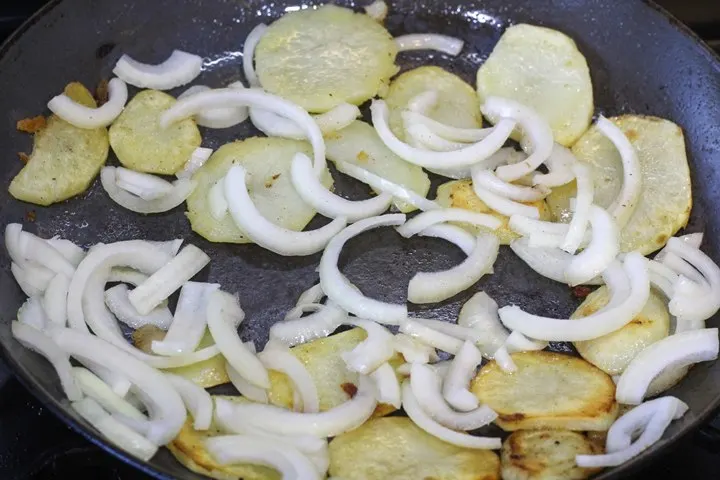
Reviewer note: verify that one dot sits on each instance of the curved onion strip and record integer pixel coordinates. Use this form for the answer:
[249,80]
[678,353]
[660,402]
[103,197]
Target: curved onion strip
[582,210]
[32,313]
[305,329]
[116,299]
[461,371]
[179,69]
[217,117]
[429,41]
[337,118]
[487,180]
[692,239]
[689,306]
[116,432]
[427,219]
[54,300]
[504,360]
[339,289]
[251,42]
[452,329]
[372,352]
[604,246]
[501,204]
[197,159]
[37,341]
[681,267]
[87,117]
[387,385]
[536,131]
[253,98]
[143,185]
[662,278]
[127,275]
[33,280]
[559,165]
[182,189]
[196,399]
[312,295]
[529,227]
[447,132]
[13,245]
[431,337]
[431,287]
[67,249]
[171,247]
[164,403]
[548,262]
[274,125]
[423,137]
[593,326]
[281,360]
[246,389]
[265,233]
[479,315]
[425,422]
[456,235]
[39,251]
[464,157]
[412,350]
[517,342]
[674,351]
[624,205]
[92,386]
[119,384]
[216,200]
[314,193]
[423,101]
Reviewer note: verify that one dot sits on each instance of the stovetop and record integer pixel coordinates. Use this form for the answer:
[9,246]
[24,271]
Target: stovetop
[34,445]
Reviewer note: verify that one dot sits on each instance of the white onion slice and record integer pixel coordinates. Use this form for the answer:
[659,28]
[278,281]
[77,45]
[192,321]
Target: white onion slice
[82,116]
[423,101]
[501,204]
[624,205]
[177,70]
[620,435]
[337,287]
[126,275]
[217,117]
[143,185]
[547,261]
[421,136]
[182,189]
[596,325]
[281,360]
[42,253]
[377,10]
[662,278]
[116,299]
[531,227]
[305,329]
[559,165]
[582,210]
[245,388]
[196,399]
[197,159]
[425,422]
[171,247]
[427,219]
[92,386]
[487,180]
[117,433]
[412,350]
[690,306]
[387,385]
[430,336]
[67,249]
[33,280]
[54,300]
[692,239]
[452,329]
[32,313]
[674,351]
[504,360]
[461,371]
[480,315]
[216,200]
[681,267]
[274,125]
[13,245]
[118,383]
[337,118]
[429,41]
[372,352]
[251,42]
[312,295]
[517,342]
[456,235]
[604,246]
[453,134]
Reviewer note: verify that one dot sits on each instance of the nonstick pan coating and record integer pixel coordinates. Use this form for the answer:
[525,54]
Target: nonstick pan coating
[641,61]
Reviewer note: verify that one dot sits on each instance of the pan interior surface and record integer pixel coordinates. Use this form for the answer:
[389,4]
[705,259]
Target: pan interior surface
[641,61]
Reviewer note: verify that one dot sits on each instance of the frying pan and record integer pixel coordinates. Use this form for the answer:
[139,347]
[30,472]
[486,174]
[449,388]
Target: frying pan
[641,61]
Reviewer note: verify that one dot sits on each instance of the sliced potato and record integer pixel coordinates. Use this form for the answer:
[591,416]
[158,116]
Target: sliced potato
[64,160]
[547,455]
[141,144]
[359,145]
[666,199]
[548,390]
[543,69]
[321,58]
[457,101]
[208,373]
[613,352]
[394,447]
[460,194]
[267,163]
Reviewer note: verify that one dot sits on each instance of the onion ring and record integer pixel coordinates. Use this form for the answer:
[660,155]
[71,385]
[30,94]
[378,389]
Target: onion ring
[177,70]
[251,42]
[453,134]
[182,189]
[501,204]
[461,371]
[217,117]
[81,116]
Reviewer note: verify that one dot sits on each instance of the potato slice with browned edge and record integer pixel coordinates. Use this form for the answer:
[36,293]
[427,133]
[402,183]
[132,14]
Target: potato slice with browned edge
[666,199]
[613,352]
[457,101]
[548,390]
[65,159]
[395,448]
[267,163]
[543,69]
[320,58]
[547,455]
[460,194]
[142,145]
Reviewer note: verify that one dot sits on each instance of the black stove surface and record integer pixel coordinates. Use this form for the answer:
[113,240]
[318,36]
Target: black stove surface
[34,445]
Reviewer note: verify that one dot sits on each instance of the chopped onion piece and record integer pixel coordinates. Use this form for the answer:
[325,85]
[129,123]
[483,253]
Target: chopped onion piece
[427,219]
[54,300]
[246,389]
[620,435]
[305,329]
[33,280]
[181,189]
[13,245]
[430,336]
[517,342]
[312,295]
[423,137]
[387,385]
[217,202]
[377,10]
[480,315]
[447,132]
[604,246]
[92,386]
[281,360]
[429,41]
[692,239]
[197,159]
[462,370]
[461,238]
[177,70]
[412,350]
[116,299]
[196,399]
[337,118]
[81,116]
[251,42]
[274,125]
[504,360]
[582,210]
[67,249]
[372,352]
[32,313]
[217,117]
[487,180]
[689,306]
[39,251]
[559,165]
[674,351]
[501,204]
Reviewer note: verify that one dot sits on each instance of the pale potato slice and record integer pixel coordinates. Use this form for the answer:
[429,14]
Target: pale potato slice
[322,58]
[548,390]
[543,69]
[457,101]
[64,160]
[208,373]
[267,163]
[460,194]
[547,455]
[395,448]
[666,199]
[613,352]
[359,145]
[142,145]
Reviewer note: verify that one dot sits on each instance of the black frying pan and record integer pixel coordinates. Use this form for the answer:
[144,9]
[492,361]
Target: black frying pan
[641,61]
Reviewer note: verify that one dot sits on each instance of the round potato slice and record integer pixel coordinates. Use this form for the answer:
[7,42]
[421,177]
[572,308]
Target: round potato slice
[543,69]
[457,101]
[613,352]
[394,447]
[142,145]
[666,199]
[548,390]
[267,162]
[547,455]
[460,194]
[321,58]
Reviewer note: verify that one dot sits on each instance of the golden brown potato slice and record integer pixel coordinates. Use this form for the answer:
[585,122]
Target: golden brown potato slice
[141,144]
[460,194]
[64,160]
[395,448]
[548,390]
[613,352]
[547,455]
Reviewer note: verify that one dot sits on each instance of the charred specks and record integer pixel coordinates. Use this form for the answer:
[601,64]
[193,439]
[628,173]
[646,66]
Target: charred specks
[349,388]
[511,417]
[581,291]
